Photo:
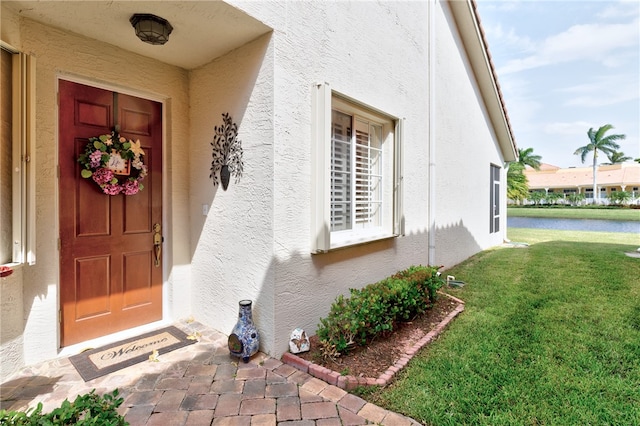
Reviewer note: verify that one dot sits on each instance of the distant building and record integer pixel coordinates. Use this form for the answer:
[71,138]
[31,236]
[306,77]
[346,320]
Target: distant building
[610,178]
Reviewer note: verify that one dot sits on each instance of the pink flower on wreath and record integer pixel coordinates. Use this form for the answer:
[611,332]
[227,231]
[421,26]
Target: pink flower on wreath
[95,158]
[143,172]
[131,187]
[102,176]
[112,189]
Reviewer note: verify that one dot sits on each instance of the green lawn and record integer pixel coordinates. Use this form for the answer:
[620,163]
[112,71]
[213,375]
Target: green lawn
[576,213]
[550,336]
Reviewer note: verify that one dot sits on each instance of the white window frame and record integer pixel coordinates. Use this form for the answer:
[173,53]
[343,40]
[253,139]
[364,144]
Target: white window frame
[323,239]
[23,156]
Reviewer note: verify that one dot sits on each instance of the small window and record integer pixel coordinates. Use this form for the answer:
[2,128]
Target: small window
[356,173]
[17,185]
[494,201]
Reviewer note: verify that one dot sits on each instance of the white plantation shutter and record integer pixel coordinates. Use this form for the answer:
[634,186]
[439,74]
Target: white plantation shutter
[368,175]
[341,191]
[357,173]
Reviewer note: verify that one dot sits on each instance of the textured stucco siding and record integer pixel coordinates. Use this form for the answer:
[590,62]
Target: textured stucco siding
[11,322]
[254,240]
[65,55]
[377,54]
[466,147]
[233,243]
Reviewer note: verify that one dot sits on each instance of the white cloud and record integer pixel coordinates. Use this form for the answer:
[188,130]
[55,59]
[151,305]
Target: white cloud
[621,9]
[604,91]
[574,128]
[498,35]
[593,42]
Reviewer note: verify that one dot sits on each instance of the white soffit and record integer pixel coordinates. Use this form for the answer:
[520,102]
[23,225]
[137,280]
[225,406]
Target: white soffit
[202,30]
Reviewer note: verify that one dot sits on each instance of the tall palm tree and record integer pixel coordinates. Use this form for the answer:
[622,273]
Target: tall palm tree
[526,157]
[617,157]
[598,142]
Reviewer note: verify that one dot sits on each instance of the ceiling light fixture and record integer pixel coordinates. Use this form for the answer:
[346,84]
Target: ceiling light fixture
[151,29]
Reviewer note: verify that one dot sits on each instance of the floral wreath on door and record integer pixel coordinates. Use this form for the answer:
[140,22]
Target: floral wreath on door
[114,163]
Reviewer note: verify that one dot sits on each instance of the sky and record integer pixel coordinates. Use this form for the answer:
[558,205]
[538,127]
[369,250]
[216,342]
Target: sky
[565,67]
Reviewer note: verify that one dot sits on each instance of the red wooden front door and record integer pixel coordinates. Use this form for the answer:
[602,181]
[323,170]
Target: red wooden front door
[109,277]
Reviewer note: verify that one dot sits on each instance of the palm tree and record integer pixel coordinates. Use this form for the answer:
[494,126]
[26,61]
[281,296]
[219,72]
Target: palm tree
[598,142]
[517,185]
[526,157]
[617,157]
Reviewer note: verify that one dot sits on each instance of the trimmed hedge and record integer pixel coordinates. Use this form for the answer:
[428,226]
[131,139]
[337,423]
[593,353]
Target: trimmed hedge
[376,308]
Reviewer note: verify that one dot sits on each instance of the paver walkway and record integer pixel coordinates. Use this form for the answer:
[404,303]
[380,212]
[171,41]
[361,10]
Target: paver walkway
[202,384]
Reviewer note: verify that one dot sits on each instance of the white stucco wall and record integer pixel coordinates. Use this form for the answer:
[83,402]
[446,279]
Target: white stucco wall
[233,243]
[466,146]
[63,54]
[377,54]
[254,241]
[11,323]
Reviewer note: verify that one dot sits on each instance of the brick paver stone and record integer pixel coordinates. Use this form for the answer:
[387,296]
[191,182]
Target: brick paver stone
[147,382]
[199,418]
[251,373]
[275,378]
[232,421]
[206,402]
[167,418]
[306,396]
[200,384]
[170,401]
[225,372]
[227,386]
[288,408]
[201,370]
[271,363]
[333,393]
[314,386]
[258,406]
[393,419]
[173,383]
[352,403]
[254,389]
[329,422]
[349,418]
[138,415]
[228,405]
[319,410]
[263,420]
[373,413]
[285,370]
[143,398]
[278,390]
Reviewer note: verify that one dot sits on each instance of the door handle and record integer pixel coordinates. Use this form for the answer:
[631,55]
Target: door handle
[157,243]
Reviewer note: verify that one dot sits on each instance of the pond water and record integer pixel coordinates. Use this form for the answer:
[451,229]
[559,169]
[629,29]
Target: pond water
[574,224]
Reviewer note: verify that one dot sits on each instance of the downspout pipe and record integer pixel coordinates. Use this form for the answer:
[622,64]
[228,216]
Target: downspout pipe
[432,132]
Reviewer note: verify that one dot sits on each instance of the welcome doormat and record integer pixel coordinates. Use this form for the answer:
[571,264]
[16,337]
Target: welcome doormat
[113,357]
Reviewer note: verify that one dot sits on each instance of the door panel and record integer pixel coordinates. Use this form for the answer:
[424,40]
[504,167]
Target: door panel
[108,277]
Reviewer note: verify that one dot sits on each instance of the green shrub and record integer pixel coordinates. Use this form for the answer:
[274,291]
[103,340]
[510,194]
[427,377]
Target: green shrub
[85,410]
[375,309]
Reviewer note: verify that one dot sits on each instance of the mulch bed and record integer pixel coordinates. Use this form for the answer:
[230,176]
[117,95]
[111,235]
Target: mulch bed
[375,358]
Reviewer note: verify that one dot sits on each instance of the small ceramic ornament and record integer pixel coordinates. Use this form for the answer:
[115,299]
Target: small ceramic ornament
[299,341]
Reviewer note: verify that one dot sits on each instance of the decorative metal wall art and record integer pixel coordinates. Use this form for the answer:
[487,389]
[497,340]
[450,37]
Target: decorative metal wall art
[227,153]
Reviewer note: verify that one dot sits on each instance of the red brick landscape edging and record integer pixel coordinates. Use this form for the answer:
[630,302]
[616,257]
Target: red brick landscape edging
[351,382]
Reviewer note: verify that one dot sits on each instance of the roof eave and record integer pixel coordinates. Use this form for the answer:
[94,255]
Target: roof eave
[468,23]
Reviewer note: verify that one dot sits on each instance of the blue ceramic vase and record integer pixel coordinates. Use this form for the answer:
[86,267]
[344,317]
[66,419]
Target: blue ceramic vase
[244,340]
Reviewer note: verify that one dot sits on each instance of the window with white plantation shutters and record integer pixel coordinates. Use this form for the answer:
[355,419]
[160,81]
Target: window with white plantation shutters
[357,173]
